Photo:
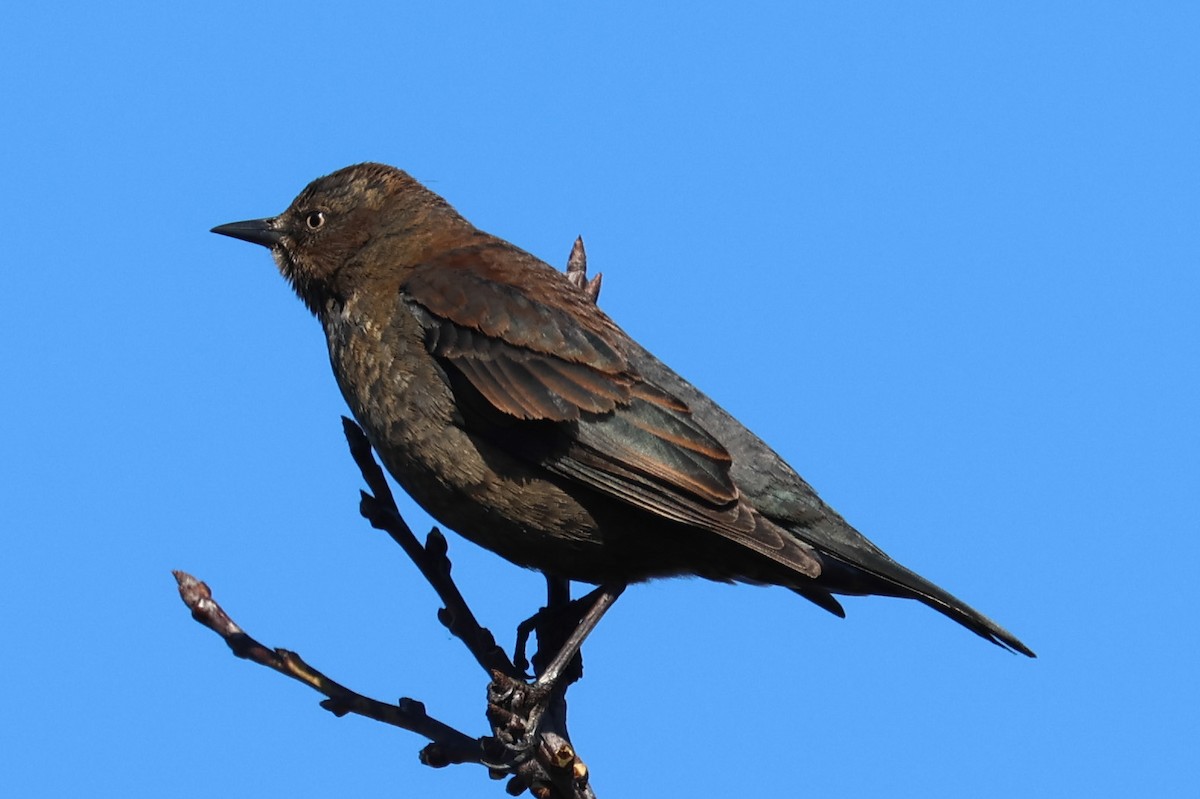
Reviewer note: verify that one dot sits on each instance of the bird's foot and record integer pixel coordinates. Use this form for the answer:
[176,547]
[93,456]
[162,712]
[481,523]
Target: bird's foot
[515,710]
[528,743]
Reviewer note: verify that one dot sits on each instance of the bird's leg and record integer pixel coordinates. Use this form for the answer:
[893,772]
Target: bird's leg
[558,601]
[597,602]
[524,630]
[558,591]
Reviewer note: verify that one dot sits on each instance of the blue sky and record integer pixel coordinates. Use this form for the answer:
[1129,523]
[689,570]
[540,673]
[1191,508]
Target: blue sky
[943,258]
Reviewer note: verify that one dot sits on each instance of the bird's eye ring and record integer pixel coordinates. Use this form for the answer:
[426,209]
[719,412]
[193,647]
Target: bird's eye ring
[315,220]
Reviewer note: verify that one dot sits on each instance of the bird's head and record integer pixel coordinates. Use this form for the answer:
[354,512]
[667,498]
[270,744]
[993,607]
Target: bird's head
[323,237]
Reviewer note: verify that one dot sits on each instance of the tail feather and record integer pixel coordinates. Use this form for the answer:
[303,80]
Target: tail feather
[954,608]
[884,577]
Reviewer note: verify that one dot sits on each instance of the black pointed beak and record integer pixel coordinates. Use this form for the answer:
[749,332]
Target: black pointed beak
[255,231]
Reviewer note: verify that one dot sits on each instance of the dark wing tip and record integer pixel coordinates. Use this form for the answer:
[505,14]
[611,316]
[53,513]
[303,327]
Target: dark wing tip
[1013,645]
[822,599]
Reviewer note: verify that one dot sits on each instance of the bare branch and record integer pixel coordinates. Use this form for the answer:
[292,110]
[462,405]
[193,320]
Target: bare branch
[380,510]
[449,745]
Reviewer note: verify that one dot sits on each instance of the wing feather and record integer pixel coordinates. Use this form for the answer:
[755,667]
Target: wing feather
[554,364]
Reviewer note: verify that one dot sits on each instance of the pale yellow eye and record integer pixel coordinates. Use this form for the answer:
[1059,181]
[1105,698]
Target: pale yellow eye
[315,220]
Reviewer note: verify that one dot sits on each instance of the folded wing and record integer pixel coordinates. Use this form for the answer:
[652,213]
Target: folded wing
[553,358]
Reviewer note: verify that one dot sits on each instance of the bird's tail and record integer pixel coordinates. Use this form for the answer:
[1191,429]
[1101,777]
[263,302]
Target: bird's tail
[953,607]
[888,578]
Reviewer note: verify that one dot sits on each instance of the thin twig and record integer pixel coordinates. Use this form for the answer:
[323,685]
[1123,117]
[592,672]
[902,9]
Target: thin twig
[379,508]
[604,597]
[577,272]
[450,745]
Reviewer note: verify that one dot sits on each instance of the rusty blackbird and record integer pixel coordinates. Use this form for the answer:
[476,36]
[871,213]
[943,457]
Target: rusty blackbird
[517,413]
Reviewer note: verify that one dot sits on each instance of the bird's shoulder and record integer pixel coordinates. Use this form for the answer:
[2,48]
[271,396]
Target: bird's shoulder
[509,296]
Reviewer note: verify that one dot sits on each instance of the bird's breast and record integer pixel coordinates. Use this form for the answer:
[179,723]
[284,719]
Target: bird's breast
[401,397]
